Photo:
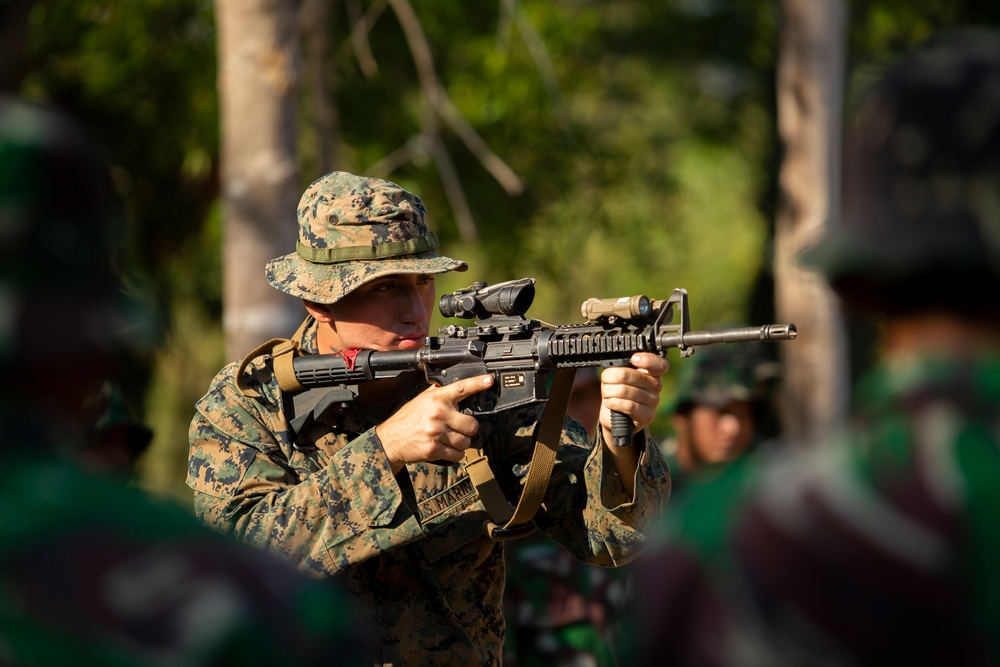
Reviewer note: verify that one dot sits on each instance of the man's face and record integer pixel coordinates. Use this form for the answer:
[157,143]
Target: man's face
[389,313]
[709,435]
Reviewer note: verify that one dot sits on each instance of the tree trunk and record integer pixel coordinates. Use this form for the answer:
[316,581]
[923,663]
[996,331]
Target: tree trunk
[16,16]
[258,84]
[809,98]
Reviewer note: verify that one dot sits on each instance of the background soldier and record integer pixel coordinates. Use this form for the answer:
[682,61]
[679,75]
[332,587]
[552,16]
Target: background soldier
[722,409]
[117,438]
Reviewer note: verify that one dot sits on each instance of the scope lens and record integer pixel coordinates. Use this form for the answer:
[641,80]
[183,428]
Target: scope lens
[512,298]
[457,305]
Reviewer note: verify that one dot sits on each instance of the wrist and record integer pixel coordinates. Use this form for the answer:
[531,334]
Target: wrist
[394,465]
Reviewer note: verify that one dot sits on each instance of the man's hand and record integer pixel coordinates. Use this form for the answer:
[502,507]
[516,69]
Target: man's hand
[634,392]
[431,427]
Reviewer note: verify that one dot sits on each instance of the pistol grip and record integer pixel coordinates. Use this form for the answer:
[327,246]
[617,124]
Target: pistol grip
[621,429]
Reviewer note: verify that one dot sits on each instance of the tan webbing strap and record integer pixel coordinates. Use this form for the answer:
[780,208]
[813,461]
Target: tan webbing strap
[504,525]
[482,478]
[546,446]
[284,355]
[283,350]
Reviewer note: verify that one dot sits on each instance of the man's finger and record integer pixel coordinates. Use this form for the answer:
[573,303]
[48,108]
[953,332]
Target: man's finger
[462,389]
[649,363]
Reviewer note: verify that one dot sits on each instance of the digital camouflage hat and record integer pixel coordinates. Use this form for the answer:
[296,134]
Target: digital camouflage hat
[921,178]
[354,229]
[720,374]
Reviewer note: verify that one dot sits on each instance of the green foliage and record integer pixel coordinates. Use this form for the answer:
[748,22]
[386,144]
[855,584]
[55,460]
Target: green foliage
[645,102]
[879,29]
[644,134]
[141,76]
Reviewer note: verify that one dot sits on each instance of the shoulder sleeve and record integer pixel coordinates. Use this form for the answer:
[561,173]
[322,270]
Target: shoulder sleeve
[347,511]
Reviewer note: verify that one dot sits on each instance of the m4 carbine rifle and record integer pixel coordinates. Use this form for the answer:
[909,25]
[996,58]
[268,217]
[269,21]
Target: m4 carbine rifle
[521,353]
[531,362]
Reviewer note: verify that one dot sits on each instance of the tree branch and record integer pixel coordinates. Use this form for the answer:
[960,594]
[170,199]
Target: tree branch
[453,190]
[361,25]
[540,55]
[439,100]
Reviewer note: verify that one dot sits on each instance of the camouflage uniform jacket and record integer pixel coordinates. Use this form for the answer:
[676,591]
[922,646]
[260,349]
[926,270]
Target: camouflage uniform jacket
[93,572]
[411,546]
[877,547]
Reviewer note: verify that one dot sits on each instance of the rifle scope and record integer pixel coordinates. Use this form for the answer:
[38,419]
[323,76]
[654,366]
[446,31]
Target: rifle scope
[512,297]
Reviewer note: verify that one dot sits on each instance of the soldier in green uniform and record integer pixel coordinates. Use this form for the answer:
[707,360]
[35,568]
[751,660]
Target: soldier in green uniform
[373,491]
[879,545]
[93,572]
[722,409]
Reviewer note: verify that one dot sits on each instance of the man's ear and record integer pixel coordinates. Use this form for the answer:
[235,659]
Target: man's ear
[319,311]
[680,424]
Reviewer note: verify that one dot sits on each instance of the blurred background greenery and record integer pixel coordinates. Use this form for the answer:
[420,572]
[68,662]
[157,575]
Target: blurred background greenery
[644,133]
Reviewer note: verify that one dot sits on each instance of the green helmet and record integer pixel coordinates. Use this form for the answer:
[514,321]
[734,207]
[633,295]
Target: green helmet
[921,215]
[719,374]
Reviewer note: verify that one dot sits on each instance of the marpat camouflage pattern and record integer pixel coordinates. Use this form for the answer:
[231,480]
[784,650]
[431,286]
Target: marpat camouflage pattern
[412,548]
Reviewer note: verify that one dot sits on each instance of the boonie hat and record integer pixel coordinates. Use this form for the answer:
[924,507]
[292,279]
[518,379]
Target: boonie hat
[354,229]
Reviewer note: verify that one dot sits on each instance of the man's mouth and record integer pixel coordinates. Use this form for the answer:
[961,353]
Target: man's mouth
[415,340]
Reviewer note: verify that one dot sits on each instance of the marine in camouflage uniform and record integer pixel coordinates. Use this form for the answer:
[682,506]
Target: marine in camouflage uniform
[880,545]
[93,572]
[349,490]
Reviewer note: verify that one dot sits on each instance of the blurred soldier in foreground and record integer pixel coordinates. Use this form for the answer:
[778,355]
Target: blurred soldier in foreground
[880,546]
[93,572]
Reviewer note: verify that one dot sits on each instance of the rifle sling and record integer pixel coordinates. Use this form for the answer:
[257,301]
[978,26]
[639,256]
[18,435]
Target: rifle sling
[504,524]
[283,350]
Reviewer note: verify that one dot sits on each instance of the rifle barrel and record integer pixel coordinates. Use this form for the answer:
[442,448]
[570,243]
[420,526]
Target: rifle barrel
[765,332]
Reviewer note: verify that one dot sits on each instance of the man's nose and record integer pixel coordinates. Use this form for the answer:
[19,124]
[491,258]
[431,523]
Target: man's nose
[729,423]
[414,309]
